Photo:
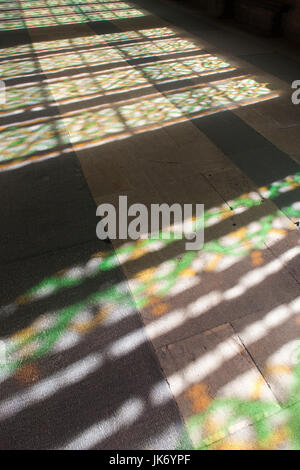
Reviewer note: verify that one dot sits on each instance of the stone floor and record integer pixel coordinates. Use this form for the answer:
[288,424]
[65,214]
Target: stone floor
[144,345]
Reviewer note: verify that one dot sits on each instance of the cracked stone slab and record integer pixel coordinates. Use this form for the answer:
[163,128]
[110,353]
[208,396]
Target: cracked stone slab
[211,374]
[273,340]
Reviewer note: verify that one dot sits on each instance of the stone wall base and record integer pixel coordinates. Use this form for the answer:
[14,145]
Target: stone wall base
[261,16]
[267,17]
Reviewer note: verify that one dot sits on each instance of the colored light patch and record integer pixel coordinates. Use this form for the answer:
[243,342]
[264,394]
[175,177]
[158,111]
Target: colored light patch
[105,6]
[11,68]
[37,341]
[11,5]
[199,100]
[46,3]
[35,12]
[168,270]
[24,97]
[62,61]
[147,112]
[93,126]
[16,50]
[111,15]
[68,19]
[157,32]
[266,431]
[244,89]
[59,62]
[95,57]
[96,85]
[19,142]
[52,328]
[97,125]
[159,47]
[7,25]
[53,46]
[10,14]
[18,5]
[185,68]
[219,95]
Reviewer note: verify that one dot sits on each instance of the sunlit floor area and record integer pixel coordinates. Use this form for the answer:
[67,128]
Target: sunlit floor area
[142,344]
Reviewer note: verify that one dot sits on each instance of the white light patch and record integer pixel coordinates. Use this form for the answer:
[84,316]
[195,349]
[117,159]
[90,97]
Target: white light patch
[127,344]
[205,365]
[258,275]
[243,386]
[66,341]
[182,285]
[48,387]
[123,417]
[273,319]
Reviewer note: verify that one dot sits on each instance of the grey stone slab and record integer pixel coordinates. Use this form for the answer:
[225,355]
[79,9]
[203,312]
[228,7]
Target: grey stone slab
[45,205]
[281,113]
[234,288]
[12,38]
[260,160]
[277,64]
[103,27]
[282,245]
[206,367]
[229,132]
[272,339]
[231,183]
[236,43]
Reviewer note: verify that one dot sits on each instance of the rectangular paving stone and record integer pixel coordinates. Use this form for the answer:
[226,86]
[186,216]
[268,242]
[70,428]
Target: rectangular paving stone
[47,205]
[211,375]
[251,152]
[272,339]
[210,290]
[277,64]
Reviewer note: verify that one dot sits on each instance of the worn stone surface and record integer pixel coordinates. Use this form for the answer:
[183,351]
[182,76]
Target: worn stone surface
[78,313]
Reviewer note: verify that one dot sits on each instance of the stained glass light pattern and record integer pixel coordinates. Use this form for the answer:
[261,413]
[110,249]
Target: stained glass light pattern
[51,3]
[35,12]
[55,20]
[85,58]
[23,98]
[88,41]
[193,100]
[45,334]
[160,110]
[165,46]
[99,124]
[62,10]
[32,139]
[60,62]
[185,68]
[146,286]
[99,83]
[217,96]
[105,6]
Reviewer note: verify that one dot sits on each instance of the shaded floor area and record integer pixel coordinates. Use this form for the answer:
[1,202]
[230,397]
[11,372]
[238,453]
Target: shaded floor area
[142,344]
